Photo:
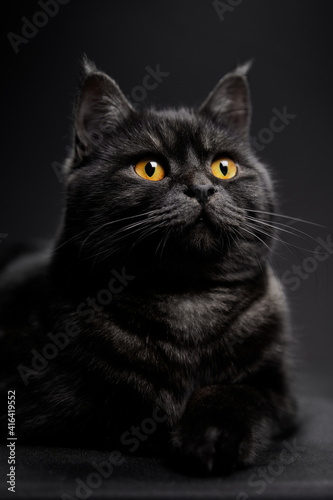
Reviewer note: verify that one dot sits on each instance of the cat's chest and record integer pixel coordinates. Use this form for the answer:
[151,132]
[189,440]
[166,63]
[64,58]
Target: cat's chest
[181,316]
[169,345]
[178,337]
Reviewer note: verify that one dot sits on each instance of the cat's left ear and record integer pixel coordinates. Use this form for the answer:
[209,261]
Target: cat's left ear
[229,103]
[100,108]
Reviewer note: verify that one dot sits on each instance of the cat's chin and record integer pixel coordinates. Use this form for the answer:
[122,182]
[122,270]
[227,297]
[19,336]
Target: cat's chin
[203,237]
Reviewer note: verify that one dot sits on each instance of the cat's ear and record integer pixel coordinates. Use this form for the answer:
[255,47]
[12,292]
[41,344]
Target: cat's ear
[100,107]
[229,102]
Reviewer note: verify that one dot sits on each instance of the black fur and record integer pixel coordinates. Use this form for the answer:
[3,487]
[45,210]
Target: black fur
[195,335]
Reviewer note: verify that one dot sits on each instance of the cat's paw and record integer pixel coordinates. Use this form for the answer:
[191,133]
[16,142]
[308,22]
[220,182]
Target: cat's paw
[211,449]
[221,429]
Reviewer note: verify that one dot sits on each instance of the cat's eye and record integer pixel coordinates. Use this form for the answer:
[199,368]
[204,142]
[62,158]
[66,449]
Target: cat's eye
[150,170]
[224,168]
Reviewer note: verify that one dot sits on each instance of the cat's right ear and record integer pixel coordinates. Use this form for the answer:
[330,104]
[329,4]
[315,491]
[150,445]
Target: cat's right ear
[100,107]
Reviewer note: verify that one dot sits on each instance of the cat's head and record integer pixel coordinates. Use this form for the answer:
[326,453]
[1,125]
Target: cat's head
[149,182]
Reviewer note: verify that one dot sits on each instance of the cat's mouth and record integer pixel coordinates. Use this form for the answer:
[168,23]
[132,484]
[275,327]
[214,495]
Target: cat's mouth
[204,224]
[201,234]
[203,220]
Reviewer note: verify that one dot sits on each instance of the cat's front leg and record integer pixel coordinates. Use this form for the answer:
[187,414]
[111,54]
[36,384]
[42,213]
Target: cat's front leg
[225,427]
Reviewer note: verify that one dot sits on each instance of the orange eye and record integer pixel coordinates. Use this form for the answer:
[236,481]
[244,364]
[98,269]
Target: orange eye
[224,168]
[150,170]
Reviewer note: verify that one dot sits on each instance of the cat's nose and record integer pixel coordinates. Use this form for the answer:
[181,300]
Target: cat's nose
[202,192]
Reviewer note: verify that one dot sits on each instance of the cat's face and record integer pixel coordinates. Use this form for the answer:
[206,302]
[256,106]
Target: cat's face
[156,180]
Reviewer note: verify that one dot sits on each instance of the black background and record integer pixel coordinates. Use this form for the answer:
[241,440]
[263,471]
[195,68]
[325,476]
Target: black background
[290,42]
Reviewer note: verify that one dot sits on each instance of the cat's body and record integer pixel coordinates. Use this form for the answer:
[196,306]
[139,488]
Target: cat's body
[171,322]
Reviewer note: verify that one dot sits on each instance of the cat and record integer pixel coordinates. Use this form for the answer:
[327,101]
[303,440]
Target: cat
[154,321]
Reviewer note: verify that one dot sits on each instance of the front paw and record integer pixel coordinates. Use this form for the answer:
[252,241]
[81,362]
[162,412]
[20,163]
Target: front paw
[216,438]
[208,449]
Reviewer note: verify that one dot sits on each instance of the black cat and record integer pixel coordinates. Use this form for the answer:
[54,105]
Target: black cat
[154,321]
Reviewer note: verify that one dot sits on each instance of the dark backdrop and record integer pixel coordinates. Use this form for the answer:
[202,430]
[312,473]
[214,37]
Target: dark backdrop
[291,44]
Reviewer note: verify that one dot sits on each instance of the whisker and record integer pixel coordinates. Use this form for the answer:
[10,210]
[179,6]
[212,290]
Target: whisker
[273,236]
[123,229]
[286,217]
[101,227]
[166,239]
[286,243]
[282,228]
[163,239]
[144,235]
[109,223]
[256,236]
[113,242]
[126,228]
[152,227]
